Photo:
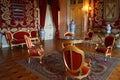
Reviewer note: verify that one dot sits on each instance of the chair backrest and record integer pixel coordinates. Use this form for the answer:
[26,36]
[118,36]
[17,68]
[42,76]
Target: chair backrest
[67,42]
[28,41]
[34,33]
[109,40]
[90,34]
[73,58]
[8,35]
[68,34]
[64,44]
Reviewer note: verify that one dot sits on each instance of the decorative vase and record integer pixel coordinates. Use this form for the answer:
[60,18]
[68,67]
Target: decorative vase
[108,29]
[1,40]
[72,27]
[42,35]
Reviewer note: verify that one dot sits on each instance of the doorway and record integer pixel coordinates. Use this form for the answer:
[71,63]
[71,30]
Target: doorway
[76,14]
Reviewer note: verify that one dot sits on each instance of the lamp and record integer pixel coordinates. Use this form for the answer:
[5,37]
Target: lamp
[85,8]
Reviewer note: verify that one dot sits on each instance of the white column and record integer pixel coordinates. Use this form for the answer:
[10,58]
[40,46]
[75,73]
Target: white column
[85,9]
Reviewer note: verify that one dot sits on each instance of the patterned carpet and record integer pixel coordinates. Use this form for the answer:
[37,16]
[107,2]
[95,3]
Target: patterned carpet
[53,67]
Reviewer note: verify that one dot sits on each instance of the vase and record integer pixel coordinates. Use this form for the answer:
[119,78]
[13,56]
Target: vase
[1,40]
[72,27]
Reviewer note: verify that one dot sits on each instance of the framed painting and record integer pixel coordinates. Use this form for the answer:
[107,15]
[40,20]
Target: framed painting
[111,10]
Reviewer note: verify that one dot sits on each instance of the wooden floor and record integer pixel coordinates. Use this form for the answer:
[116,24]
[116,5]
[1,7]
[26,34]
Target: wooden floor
[10,70]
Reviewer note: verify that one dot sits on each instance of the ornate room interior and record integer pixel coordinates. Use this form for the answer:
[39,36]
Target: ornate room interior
[92,26]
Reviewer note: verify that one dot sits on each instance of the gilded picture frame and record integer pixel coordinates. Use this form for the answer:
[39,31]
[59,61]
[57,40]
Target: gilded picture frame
[111,10]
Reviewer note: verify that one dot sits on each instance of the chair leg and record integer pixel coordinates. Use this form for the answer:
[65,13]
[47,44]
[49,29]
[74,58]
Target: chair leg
[11,46]
[65,78]
[105,58]
[29,60]
[109,56]
[41,59]
[22,45]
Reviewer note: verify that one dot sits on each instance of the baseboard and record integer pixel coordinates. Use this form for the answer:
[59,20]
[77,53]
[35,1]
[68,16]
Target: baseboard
[4,46]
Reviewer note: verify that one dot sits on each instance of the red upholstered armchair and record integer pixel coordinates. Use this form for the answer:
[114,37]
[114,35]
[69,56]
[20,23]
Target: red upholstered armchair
[34,51]
[75,64]
[106,49]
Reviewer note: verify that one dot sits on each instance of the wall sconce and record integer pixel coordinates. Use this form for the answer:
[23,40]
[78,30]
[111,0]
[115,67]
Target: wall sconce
[85,8]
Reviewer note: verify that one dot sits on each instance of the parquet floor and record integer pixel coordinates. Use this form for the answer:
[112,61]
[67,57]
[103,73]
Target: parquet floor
[10,70]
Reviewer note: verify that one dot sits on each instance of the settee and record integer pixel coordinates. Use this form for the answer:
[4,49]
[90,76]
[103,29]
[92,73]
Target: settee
[17,38]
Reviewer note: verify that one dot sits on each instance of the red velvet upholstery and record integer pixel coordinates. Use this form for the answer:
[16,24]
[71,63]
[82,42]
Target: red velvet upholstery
[108,46]
[34,33]
[101,49]
[75,65]
[109,40]
[33,52]
[85,70]
[18,41]
[75,60]
[20,35]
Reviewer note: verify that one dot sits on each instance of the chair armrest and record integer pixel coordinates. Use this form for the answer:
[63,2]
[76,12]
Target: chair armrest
[39,48]
[96,46]
[85,70]
[88,62]
[109,47]
[41,51]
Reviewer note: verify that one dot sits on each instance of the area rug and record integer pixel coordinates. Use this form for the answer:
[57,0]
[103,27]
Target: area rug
[52,67]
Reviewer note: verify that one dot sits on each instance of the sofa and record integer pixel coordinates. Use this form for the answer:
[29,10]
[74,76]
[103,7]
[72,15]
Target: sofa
[17,38]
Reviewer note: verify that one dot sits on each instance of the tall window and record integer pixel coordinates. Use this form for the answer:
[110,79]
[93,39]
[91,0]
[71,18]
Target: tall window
[72,2]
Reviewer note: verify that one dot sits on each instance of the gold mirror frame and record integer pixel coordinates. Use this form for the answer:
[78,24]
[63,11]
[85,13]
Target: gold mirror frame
[111,10]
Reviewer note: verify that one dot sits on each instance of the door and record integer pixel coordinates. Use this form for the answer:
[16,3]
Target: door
[76,14]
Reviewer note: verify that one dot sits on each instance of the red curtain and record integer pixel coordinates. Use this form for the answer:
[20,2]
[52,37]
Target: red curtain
[55,8]
[42,6]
